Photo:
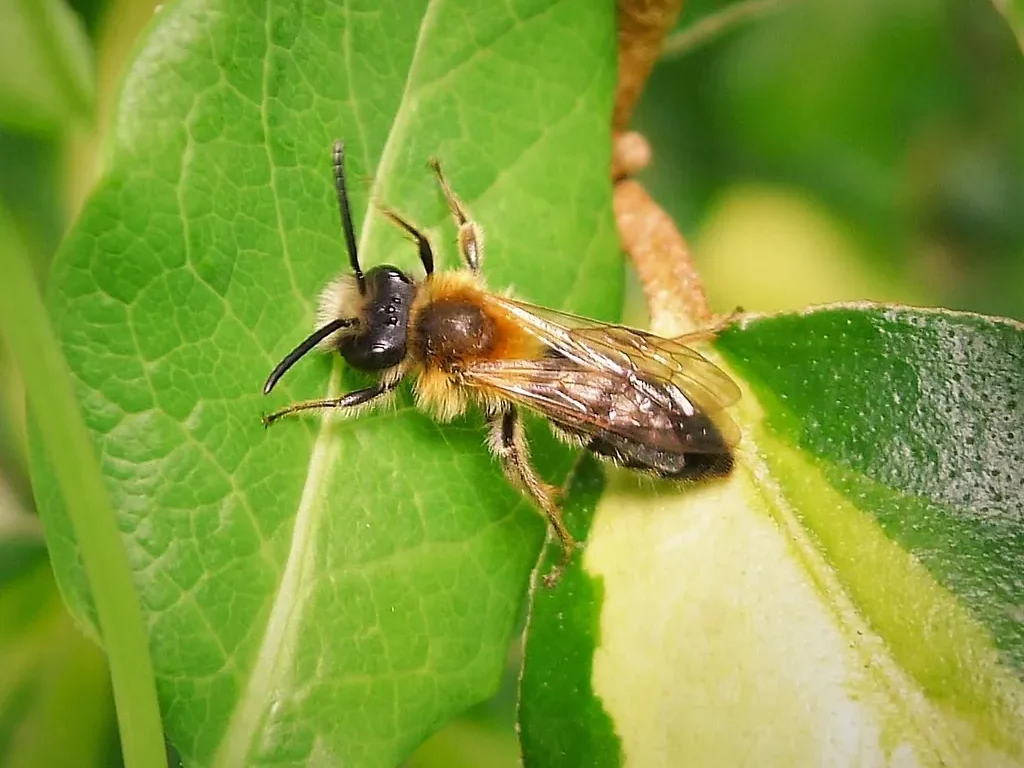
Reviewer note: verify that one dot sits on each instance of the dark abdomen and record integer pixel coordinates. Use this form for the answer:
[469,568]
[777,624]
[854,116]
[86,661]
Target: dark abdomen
[666,464]
[671,465]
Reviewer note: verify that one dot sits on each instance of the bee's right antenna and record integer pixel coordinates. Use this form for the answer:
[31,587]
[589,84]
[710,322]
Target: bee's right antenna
[346,214]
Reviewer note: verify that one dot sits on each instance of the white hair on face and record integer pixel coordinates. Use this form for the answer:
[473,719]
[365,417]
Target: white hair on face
[339,298]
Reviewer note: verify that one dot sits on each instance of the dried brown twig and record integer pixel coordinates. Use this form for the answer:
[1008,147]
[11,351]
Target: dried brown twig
[671,284]
[643,25]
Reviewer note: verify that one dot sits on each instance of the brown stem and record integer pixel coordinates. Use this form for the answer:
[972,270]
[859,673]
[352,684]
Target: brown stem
[630,154]
[643,25]
[675,295]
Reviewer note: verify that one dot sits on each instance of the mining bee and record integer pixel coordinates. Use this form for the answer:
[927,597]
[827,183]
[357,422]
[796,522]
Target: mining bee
[644,402]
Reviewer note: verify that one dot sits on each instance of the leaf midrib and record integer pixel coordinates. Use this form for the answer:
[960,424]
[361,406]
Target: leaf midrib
[278,642]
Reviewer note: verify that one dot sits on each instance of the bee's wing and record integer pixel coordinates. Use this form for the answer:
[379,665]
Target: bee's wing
[614,378]
[624,349]
[590,403]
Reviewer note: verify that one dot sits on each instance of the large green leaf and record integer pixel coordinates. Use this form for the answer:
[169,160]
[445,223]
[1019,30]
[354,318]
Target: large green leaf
[326,592]
[851,595]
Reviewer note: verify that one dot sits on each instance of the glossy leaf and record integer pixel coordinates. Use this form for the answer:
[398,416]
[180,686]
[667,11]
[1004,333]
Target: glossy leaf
[850,595]
[329,591]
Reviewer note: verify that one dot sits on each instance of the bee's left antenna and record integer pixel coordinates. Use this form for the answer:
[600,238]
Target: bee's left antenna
[305,346]
[346,214]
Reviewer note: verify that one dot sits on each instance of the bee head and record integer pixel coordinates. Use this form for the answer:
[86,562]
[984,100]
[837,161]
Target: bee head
[365,316]
[378,341]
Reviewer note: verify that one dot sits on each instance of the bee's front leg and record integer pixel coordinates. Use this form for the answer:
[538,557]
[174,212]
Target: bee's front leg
[358,398]
[507,441]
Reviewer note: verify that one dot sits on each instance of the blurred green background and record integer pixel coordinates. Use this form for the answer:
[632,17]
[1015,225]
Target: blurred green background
[810,152]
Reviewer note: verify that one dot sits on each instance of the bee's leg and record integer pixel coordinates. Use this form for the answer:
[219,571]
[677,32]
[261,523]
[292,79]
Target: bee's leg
[350,400]
[508,441]
[711,331]
[422,243]
[471,237]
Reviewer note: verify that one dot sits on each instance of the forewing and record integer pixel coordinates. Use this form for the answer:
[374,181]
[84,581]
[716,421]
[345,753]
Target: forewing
[591,402]
[690,381]
[666,359]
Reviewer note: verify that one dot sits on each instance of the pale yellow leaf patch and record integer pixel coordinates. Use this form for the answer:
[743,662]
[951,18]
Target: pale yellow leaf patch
[728,638]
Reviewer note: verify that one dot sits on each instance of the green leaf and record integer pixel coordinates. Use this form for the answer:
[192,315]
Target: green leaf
[850,594]
[46,77]
[566,620]
[328,591]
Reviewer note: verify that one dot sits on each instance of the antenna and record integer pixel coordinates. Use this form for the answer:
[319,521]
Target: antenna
[311,341]
[346,214]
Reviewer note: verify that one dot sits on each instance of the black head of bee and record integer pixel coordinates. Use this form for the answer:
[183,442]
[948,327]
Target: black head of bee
[370,310]
[384,324]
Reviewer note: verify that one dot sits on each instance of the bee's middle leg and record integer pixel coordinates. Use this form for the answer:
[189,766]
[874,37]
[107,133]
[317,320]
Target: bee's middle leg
[508,441]
[471,237]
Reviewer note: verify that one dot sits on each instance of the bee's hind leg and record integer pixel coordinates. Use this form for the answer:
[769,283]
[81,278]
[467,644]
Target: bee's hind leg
[471,237]
[508,441]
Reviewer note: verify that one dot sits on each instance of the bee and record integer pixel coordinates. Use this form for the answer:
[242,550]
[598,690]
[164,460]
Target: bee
[644,402]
